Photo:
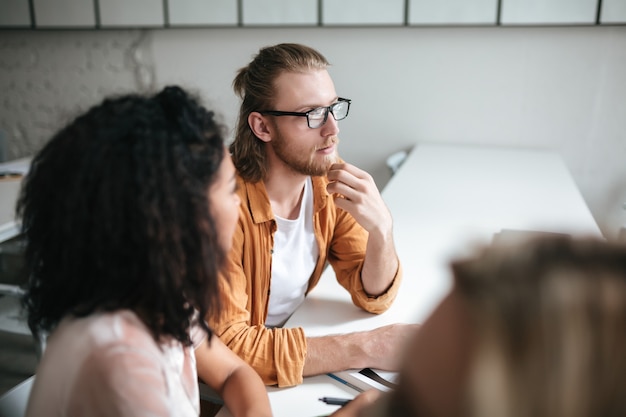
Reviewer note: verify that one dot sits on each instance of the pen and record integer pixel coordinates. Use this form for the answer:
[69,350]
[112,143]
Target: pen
[343,381]
[335,401]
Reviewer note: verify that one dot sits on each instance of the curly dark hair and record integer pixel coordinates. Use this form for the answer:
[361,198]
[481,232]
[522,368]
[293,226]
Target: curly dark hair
[116,215]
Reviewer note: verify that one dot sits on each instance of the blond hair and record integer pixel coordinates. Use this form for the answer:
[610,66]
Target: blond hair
[254,84]
[550,328]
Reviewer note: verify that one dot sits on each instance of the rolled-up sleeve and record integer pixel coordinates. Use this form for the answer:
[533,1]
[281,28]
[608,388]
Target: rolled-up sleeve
[277,354]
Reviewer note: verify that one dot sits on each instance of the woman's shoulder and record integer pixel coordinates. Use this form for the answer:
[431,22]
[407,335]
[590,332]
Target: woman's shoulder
[102,329]
[101,346]
[118,340]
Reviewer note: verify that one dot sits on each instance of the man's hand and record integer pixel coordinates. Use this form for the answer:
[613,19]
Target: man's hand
[361,197]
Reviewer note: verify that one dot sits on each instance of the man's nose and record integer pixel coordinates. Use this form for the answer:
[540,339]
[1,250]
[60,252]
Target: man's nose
[331,127]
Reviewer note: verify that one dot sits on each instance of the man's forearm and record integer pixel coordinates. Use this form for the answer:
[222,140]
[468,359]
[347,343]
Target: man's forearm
[333,353]
[381,263]
[378,348]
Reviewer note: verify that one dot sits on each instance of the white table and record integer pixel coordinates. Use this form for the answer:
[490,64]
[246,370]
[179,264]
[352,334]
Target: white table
[444,200]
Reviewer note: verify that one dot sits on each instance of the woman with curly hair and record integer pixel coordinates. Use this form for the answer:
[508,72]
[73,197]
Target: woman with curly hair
[128,213]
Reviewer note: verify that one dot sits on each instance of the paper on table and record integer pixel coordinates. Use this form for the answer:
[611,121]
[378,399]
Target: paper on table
[508,236]
[363,382]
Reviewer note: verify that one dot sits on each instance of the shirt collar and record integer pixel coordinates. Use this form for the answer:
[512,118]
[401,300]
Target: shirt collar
[259,201]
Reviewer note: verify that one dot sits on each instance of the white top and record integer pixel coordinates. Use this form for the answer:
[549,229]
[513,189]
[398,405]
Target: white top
[108,364]
[293,260]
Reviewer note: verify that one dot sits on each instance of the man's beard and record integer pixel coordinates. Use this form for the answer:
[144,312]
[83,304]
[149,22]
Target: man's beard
[306,164]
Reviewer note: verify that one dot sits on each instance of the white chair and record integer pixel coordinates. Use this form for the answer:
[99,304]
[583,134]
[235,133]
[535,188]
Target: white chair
[13,321]
[13,317]
[13,402]
[395,160]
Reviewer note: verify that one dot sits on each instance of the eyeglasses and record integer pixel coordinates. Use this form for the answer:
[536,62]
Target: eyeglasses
[317,117]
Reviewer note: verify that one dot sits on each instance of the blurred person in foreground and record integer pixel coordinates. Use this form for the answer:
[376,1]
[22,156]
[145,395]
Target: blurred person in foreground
[302,209]
[533,329]
[129,213]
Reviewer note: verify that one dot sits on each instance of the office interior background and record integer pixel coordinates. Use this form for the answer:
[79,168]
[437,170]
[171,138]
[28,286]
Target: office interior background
[560,88]
[557,84]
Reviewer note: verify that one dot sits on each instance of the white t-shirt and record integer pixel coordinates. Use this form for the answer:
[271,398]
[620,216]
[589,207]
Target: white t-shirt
[293,261]
[108,364]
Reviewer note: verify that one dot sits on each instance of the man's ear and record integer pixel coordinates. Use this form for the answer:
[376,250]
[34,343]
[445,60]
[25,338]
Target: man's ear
[260,126]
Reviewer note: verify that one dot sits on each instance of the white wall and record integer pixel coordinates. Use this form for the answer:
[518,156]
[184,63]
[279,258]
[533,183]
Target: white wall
[562,88]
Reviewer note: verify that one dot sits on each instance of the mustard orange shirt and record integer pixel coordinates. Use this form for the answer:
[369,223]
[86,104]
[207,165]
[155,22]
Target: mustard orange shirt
[278,354]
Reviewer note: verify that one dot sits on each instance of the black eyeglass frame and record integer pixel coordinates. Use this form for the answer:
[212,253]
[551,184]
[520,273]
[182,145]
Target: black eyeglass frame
[328,109]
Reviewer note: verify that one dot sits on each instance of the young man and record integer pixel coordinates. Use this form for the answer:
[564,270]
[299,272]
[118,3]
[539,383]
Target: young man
[302,207]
